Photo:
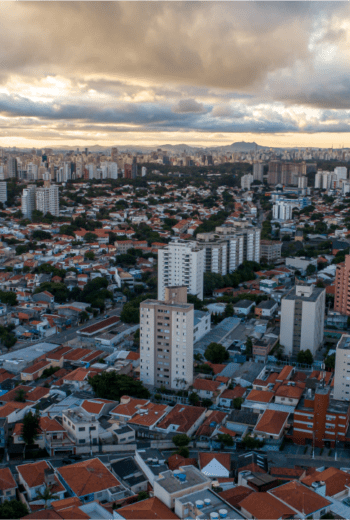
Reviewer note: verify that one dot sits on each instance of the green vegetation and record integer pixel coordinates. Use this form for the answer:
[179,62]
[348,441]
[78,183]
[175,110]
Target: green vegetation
[225,439]
[193,399]
[109,385]
[30,427]
[181,440]
[8,297]
[216,353]
[13,509]
[305,357]
[244,273]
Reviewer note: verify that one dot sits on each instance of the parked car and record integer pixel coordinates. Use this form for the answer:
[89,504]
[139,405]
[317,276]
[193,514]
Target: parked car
[67,461]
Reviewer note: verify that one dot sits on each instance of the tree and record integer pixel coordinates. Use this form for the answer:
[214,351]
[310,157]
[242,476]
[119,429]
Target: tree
[83,316]
[38,234]
[193,398]
[248,347]
[20,396]
[207,403]
[46,495]
[181,440]
[330,362]
[305,357]
[229,310]
[216,353]
[90,237]
[109,385]
[237,403]
[13,509]
[225,439]
[130,313]
[142,496]
[311,269]
[30,427]
[252,443]
[8,297]
[90,255]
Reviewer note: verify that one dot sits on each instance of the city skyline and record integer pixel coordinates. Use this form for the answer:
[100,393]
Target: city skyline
[207,74]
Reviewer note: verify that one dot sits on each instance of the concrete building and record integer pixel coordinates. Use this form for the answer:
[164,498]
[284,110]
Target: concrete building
[302,319]
[342,291]
[270,250]
[81,427]
[47,200]
[181,263]
[342,369]
[12,168]
[166,340]
[3,191]
[258,171]
[302,182]
[282,211]
[28,201]
[229,247]
[172,485]
[246,181]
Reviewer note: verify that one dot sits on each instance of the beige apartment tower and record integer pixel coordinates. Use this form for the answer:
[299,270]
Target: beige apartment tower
[342,369]
[166,340]
[342,289]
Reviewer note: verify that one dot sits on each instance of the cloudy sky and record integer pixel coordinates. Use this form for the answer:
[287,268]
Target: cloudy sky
[203,73]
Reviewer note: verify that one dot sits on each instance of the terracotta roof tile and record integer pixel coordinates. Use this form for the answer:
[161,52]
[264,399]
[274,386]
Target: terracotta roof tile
[271,422]
[150,509]
[264,505]
[89,476]
[6,479]
[205,458]
[182,415]
[300,497]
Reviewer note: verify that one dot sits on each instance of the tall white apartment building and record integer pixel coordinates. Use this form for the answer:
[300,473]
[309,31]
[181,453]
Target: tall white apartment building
[109,170]
[3,191]
[258,171]
[341,172]
[229,247]
[181,263]
[302,319]
[143,171]
[342,369]
[32,171]
[302,182]
[246,181]
[282,211]
[47,200]
[166,340]
[28,201]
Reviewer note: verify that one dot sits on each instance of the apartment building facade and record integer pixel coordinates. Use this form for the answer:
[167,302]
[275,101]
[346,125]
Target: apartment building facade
[270,250]
[302,319]
[181,263]
[342,289]
[166,340]
[228,247]
[342,369]
[47,200]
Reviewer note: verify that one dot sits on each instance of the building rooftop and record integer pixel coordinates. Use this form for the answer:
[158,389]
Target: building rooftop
[309,294]
[344,342]
[173,484]
[215,505]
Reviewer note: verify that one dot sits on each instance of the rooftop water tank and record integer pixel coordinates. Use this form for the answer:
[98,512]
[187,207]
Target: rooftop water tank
[207,501]
[182,477]
[199,504]
[214,516]
[223,513]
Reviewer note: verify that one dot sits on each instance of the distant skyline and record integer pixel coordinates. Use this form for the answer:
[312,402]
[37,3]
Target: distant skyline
[202,73]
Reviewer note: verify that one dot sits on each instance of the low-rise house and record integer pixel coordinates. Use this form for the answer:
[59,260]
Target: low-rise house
[151,462]
[208,389]
[228,396]
[214,419]
[182,419]
[8,485]
[243,307]
[90,480]
[127,408]
[215,465]
[149,509]
[80,426]
[128,472]
[169,486]
[35,371]
[36,477]
[266,309]
[303,500]
[146,418]
[272,424]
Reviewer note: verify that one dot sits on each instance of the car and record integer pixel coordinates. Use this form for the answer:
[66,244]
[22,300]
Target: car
[67,461]
[75,457]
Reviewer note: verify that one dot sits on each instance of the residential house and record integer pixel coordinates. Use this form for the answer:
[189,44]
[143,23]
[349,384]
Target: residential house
[8,485]
[35,477]
[182,419]
[215,465]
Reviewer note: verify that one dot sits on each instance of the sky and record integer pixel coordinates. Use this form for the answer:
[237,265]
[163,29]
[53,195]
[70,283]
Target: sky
[152,73]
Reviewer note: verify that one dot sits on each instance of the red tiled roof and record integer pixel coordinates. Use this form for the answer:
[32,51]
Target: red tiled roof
[235,495]
[300,497]
[89,476]
[272,422]
[182,415]
[260,396]
[34,475]
[6,479]
[130,408]
[149,509]
[264,505]
[335,479]
[205,458]
[206,384]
